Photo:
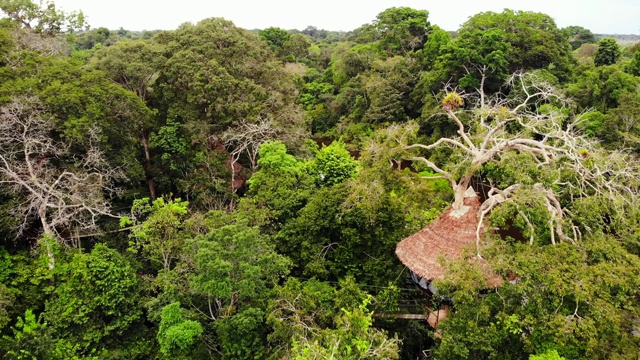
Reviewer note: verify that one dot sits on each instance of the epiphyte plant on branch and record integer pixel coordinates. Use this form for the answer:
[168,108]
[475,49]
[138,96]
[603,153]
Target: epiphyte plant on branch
[531,124]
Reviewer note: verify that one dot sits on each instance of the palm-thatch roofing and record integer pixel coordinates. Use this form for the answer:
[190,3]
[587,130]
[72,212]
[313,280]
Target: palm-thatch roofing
[446,237]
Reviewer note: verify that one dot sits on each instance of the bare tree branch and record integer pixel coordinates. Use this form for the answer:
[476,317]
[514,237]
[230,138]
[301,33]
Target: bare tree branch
[66,192]
[552,141]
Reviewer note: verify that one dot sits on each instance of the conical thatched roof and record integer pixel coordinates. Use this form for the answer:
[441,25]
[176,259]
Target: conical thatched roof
[445,237]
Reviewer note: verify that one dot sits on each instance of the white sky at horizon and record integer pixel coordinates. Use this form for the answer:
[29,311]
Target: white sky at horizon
[601,17]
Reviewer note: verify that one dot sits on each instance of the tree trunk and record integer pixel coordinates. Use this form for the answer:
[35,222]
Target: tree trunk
[147,165]
[460,190]
[42,213]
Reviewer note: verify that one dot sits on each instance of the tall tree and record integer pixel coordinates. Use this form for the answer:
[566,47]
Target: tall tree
[578,36]
[313,320]
[478,59]
[97,299]
[296,48]
[388,86]
[536,42]
[601,87]
[217,76]
[574,166]
[157,229]
[42,17]
[276,38]
[634,66]
[136,66]
[233,269]
[608,52]
[578,300]
[402,29]
[66,192]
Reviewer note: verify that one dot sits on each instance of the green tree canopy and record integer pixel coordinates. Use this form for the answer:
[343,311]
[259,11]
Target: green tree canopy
[234,265]
[42,17]
[402,29]
[313,320]
[581,306]
[275,37]
[97,298]
[578,36]
[634,66]
[608,52]
[217,73]
[177,334]
[535,40]
[157,230]
[333,164]
[601,87]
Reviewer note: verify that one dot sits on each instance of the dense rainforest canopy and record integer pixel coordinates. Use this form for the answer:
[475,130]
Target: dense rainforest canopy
[211,192]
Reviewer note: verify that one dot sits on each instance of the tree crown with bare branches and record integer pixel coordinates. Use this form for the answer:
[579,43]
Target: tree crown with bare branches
[529,129]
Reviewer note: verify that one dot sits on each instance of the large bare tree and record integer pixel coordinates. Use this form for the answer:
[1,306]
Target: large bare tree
[65,191]
[245,138]
[530,121]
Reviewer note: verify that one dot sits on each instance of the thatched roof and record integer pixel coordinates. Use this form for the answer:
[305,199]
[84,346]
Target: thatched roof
[445,237]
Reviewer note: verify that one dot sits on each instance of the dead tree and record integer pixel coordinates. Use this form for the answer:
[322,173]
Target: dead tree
[517,123]
[245,139]
[66,192]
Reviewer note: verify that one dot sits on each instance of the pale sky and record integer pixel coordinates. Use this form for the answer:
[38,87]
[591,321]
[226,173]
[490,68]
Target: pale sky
[599,16]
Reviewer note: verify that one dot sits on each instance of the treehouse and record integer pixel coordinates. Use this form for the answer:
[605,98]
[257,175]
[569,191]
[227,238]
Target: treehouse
[445,239]
[544,143]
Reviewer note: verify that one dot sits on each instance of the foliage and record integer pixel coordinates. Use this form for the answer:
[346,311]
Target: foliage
[348,62]
[608,52]
[299,305]
[634,66]
[63,200]
[579,307]
[97,299]
[548,355]
[177,334]
[297,47]
[387,89]
[241,336]
[333,164]
[622,127]
[27,341]
[276,38]
[132,64]
[85,108]
[578,36]
[438,39]
[479,59]
[156,228]
[7,296]
[601,87]
[402,29]
[235,264]
[43,17]
[209,76]
[535,41]
[353,338]
[313,320]
[217,76]
[282,185]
